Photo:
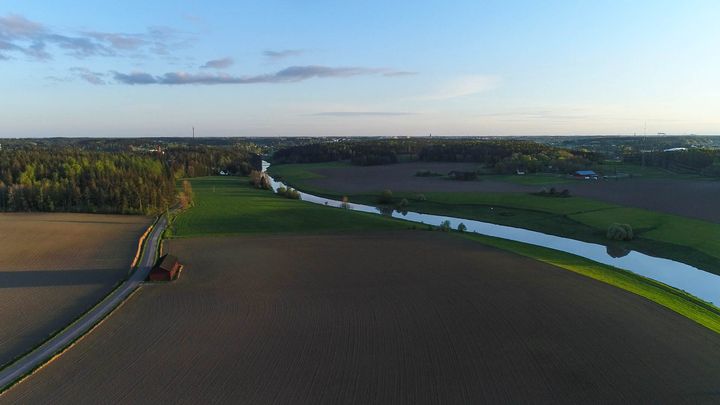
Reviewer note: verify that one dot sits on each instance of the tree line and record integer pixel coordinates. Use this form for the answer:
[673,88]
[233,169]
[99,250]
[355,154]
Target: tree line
[502,156]
[70,179]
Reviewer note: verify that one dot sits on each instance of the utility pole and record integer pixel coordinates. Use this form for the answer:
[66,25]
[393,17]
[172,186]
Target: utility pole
[193,133]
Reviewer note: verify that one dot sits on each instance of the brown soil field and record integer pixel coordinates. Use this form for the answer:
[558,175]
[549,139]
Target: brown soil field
[403,317]
[691,198]
[53,267]
[397,177]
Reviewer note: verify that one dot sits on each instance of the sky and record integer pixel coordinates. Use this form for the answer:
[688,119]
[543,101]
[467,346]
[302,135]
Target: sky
[365,68]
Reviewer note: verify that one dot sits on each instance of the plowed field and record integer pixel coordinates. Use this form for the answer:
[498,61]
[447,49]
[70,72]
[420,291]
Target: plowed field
[393,317]
[53,267]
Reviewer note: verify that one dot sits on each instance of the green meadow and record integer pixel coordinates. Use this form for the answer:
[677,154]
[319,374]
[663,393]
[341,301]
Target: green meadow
[229,205]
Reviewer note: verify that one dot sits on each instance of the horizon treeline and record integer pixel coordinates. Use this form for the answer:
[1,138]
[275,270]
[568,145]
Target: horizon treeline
[68,179]
[503,156]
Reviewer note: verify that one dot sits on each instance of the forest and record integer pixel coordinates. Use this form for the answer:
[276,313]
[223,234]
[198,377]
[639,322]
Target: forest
[132,180]
[501,156]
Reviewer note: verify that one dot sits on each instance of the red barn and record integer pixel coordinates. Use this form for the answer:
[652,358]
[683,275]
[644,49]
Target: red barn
[167,268]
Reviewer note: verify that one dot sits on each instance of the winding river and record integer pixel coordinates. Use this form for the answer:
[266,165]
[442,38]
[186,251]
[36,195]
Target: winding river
[697,282]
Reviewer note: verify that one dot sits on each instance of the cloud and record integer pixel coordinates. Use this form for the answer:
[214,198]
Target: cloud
[288,75]
[35,40]
[119,41]
[89,76]
[134,78]
[399,74]
[464,86]
[361,114]
[14,25]
[218,63]
[278,55]
[553,115]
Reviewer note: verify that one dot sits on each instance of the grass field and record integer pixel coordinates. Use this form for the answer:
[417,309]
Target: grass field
[229,205]
[530,179]
[53,267]
[389,317]
[647,172]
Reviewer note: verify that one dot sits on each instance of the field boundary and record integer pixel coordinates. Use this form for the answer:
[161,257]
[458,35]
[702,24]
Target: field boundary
[60,352]
[141,244]
[69,344]
[138,254]
[674,299]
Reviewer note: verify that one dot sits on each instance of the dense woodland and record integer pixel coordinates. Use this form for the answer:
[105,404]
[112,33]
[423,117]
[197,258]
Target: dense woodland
[501,156]
[135,180]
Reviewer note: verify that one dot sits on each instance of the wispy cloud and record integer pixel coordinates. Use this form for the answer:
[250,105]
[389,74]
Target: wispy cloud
[288,75]
[89,76]
[361,114]
[19,35]
[463,86]
[400,74]
[218,63]
[553,115]
[278,55]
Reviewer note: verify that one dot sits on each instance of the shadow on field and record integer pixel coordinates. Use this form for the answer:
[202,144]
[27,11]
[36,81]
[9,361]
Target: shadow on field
[52,278]
[65,221]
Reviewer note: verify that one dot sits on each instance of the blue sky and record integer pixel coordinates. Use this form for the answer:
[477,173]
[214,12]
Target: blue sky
[141,68]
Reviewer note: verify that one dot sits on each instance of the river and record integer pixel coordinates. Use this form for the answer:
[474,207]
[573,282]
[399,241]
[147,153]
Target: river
[697,282]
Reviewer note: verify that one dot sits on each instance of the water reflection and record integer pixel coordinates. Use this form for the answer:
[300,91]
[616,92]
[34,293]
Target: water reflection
[617,251]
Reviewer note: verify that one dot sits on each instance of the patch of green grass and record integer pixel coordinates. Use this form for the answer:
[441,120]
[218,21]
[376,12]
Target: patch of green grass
[679,301]
[696,234]
[530,179]
[646,172]
[229,205]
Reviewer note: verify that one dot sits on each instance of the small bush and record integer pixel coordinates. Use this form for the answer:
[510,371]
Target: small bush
[445,226]
[427,173]
[462,176]
[386,197]
[290,193]
[403,203]
[462,227]
[620,232]
[553,193]
[421,197]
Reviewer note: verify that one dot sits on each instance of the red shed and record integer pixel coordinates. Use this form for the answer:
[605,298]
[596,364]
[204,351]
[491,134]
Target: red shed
[167,268]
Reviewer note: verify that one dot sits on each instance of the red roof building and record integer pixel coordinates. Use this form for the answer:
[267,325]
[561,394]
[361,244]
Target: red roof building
[166,269]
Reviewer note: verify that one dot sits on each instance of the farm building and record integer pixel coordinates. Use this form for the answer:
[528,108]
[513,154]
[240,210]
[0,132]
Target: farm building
[586,174]
[166,269]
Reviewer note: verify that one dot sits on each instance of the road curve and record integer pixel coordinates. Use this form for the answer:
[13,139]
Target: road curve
[24,365]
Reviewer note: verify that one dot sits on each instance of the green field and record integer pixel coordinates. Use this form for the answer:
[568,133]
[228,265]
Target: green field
[530,179]
[646,172]
[229,205]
